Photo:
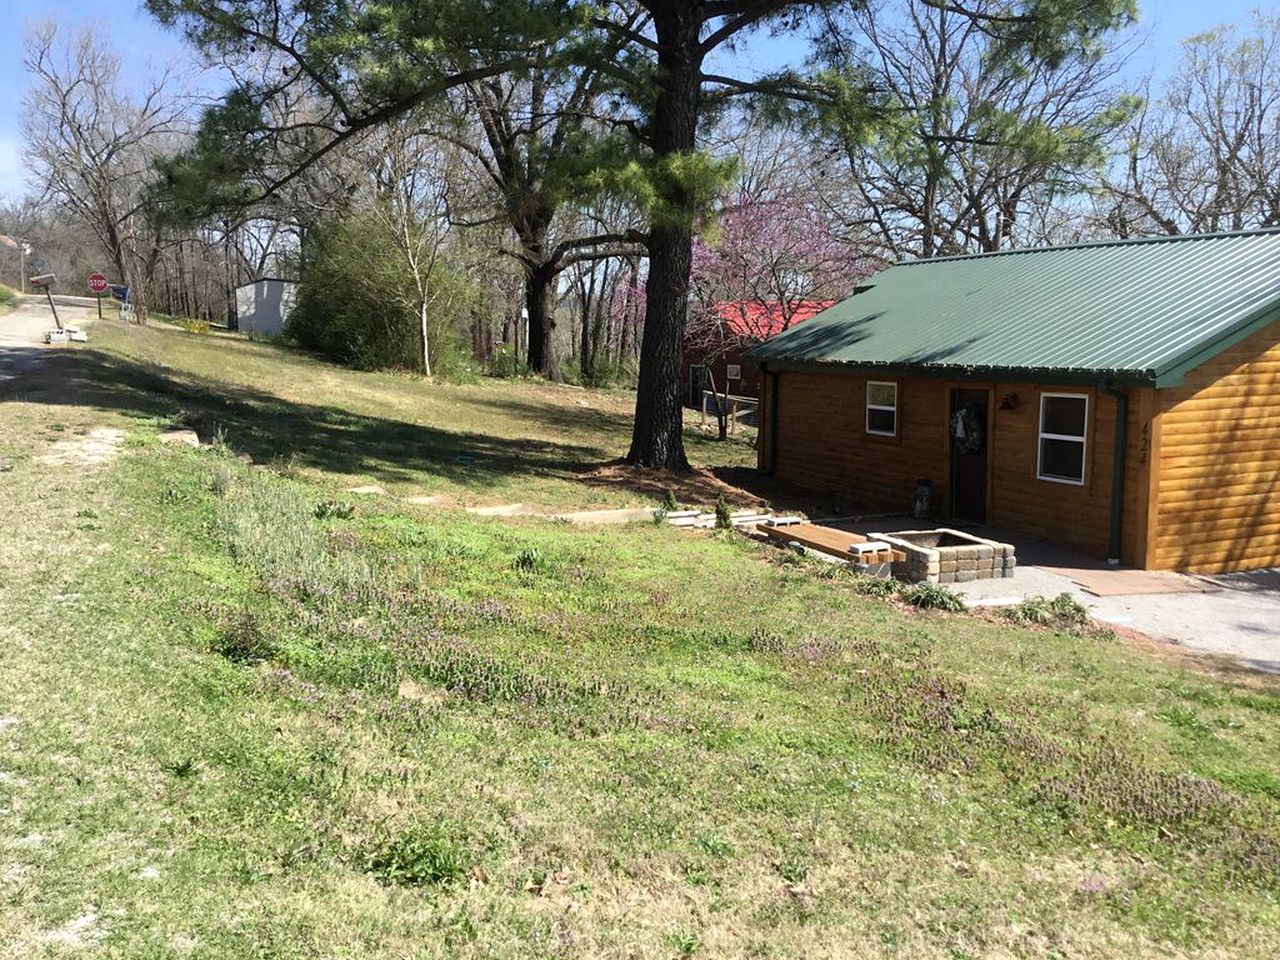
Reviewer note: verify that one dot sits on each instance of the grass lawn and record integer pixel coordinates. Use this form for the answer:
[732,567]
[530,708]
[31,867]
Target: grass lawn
[489,442]
[237,722]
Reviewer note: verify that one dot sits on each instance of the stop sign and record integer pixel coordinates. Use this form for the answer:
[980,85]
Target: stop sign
[98,283]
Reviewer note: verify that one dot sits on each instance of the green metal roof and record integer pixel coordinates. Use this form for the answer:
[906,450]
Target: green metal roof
[1132,311]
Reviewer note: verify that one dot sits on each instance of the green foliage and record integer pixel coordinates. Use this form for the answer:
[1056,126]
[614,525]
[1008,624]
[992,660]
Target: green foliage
[421,856]
[1063,612]
[331,55]
[684,942]
[335,509]
[651,184]
[8,298]
[192,325]
[931,596]
[506,363]
[605,372]
[1186,720]
[875,586]
[357,302]
[183,769]
[724,514]
[241,638]
[528,560]
[669,501]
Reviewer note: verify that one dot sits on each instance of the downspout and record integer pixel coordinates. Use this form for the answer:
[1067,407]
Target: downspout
[1117,471]
[773,418]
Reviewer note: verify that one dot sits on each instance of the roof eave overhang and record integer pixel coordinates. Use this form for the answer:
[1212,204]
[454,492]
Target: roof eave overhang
[936,371]
[1173,374]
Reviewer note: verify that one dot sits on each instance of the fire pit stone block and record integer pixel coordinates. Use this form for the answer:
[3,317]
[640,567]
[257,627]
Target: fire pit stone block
[948,556]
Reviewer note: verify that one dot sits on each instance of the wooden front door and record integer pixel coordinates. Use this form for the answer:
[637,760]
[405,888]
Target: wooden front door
[969,446]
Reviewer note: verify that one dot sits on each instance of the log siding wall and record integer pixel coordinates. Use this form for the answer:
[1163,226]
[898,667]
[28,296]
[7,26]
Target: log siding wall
[1218,486]
[822,444]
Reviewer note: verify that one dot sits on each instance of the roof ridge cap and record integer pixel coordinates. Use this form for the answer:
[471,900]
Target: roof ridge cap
[1089,244]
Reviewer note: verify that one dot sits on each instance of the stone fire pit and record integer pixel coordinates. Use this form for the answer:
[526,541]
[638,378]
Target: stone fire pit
[948,556]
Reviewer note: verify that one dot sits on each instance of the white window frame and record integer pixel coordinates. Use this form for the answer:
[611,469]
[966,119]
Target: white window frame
[1083,440]
[880,406]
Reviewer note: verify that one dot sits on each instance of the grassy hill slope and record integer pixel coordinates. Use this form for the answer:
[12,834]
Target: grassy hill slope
[235,721]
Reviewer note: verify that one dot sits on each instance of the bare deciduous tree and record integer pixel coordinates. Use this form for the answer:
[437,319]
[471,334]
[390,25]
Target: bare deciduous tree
[1205,157]
[92,145]
[974,148]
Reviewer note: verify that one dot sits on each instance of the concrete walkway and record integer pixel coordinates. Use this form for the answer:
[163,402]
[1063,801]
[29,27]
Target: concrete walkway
[1237,615]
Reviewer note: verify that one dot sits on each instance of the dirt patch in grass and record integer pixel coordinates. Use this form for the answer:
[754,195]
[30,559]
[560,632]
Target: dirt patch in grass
[699,487]
[97,446]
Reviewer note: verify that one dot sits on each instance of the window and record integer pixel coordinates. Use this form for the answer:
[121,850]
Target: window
[882,408]
[1064,419]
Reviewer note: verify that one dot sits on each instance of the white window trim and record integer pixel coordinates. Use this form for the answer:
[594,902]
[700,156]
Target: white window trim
[1083,440]
[880,406]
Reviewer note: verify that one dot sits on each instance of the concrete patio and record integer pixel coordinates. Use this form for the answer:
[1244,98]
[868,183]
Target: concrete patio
[1236,615]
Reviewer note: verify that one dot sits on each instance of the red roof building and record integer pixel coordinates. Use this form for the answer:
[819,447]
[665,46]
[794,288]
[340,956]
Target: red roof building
[715,344]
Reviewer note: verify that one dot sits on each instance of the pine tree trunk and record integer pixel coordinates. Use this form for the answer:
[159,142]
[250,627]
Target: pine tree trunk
[539,301]
[657,439]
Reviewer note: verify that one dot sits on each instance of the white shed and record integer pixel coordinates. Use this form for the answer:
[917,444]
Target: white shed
[262,307]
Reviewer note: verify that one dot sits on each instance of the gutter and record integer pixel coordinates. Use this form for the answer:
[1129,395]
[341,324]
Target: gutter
[1118,459]
[1083,377]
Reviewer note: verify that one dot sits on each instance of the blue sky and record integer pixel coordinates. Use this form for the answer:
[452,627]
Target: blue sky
[145,47]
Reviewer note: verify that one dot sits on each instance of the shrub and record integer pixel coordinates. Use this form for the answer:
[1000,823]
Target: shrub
[506,363]
[192,325]
[422,856]
[724,514]
[1063,612]
[669,502]
[8,297]
[357,300]
[606,372]
[931,596]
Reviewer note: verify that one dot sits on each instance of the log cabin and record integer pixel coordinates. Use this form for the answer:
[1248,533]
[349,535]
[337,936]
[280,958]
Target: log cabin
[1120,398]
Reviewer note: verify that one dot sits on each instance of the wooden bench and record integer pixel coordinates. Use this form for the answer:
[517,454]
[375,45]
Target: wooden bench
[832,542]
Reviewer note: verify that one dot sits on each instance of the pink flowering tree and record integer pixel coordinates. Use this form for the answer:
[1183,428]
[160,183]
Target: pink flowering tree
[773,263]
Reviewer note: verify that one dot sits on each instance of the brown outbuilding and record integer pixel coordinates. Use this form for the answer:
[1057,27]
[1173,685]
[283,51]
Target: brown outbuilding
[1121,398]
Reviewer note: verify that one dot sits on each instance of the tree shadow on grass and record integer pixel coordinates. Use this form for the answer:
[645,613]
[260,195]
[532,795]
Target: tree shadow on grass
[579,418]
[269,428]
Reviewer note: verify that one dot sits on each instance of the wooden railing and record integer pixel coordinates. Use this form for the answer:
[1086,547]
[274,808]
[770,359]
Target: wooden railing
[745,409]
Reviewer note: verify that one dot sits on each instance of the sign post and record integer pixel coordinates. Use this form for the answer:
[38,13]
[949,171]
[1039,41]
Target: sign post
[98,286]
